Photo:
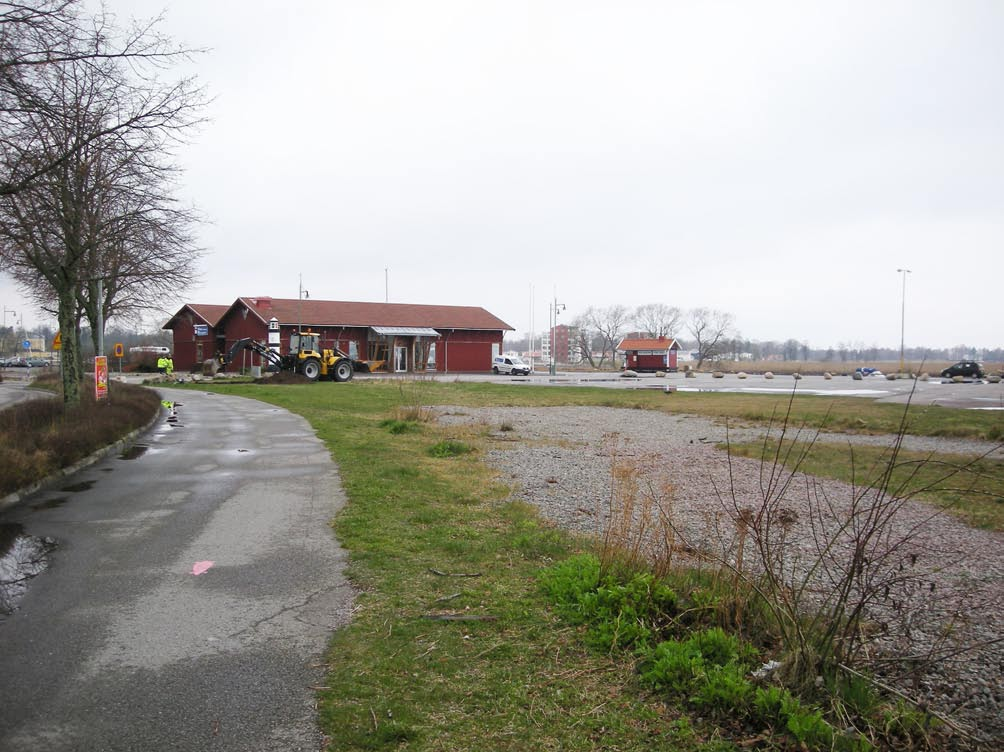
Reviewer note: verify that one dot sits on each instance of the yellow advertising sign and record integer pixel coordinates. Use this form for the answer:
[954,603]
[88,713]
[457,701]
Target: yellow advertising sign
[100,377]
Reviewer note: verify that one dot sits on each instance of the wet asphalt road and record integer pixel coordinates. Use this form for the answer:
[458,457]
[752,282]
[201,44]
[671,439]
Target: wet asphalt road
[14,390]
[118,646]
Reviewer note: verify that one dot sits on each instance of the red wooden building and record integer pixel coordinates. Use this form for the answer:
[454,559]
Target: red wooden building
[641,354]
[194,328]
[404,337]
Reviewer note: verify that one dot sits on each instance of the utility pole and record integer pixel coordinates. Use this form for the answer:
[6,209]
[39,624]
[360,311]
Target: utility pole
[530,330]
[101,317]
[555,308]
[902,322]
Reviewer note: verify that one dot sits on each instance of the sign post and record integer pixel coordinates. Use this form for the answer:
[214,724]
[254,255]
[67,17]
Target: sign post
[119,351]
[100,377]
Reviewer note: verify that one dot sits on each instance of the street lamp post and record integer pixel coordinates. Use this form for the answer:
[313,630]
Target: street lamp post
[554,309]
[7,310]
[902,321]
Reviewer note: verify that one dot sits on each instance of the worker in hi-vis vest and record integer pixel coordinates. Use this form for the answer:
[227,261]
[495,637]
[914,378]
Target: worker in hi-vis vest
[162,364]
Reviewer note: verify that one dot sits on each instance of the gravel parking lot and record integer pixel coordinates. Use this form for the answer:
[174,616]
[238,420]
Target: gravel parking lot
[559,459]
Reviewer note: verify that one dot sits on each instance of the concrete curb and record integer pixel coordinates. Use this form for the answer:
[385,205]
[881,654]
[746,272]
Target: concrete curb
[15,498]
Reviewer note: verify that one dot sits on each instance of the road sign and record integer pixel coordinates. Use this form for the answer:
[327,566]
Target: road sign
[118,350]
[26,344]
[57,341]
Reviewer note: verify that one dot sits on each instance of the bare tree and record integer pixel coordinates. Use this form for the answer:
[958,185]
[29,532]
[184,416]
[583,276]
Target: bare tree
[585,334]
[38,36]
[97,207]
[608,324]
[658,319]
[710,330]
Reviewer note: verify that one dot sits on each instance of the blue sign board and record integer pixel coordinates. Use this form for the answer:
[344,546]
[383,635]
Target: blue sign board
[201,330]
[26,345]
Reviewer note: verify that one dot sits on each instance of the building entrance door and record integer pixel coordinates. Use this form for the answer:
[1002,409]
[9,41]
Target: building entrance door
[400,359]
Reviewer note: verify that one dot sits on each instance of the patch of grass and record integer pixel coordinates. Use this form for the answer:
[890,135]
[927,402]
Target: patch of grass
[40,436]
[973,490]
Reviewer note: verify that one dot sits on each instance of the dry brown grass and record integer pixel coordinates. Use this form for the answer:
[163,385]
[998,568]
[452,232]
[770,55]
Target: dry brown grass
[41,436]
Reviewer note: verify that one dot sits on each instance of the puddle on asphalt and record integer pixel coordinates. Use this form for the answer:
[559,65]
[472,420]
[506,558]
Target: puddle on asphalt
[51,503]
[84,485]
[134,452]
[22,557]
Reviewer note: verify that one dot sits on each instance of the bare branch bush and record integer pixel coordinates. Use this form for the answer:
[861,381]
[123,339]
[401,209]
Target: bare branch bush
[840,585]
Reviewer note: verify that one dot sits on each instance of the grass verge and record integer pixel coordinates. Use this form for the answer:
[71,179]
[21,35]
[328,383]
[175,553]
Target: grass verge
[972,490]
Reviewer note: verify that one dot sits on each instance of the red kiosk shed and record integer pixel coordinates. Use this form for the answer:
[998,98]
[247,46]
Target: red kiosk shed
[641,354]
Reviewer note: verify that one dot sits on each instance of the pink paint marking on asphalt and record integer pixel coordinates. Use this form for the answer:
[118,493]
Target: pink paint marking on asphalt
[200,567]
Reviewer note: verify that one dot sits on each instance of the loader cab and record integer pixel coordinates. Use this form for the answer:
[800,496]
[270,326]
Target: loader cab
[301,343]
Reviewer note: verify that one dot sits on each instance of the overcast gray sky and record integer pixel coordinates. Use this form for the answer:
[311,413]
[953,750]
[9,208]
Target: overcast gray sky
[777,160]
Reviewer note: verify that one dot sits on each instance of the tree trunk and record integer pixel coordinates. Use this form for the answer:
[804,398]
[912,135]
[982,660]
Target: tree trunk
[73,371]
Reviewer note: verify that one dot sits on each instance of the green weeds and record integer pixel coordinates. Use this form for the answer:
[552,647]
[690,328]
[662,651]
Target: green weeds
[714,671]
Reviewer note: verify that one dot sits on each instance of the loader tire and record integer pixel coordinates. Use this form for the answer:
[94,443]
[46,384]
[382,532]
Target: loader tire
[343,370]
[311,368]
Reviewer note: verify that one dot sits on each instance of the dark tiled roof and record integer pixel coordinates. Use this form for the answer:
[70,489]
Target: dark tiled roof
[208,312]
[339,313]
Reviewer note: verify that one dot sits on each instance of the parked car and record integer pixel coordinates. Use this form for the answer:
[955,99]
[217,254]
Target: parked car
[511,364]
[969,368]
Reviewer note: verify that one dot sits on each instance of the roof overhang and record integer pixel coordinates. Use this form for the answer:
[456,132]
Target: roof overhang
[404,331]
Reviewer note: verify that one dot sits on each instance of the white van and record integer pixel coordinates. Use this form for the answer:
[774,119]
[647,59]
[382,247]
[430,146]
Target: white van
[511,364]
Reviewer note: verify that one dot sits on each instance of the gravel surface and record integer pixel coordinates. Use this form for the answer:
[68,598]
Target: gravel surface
[560,459]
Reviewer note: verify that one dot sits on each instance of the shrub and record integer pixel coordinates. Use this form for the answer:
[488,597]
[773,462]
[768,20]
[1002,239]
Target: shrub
[449,448]
[623,611]
[809,728]
[772,705]
[723,689]
[397,426]
[717,647]
[568,582]
[673,666]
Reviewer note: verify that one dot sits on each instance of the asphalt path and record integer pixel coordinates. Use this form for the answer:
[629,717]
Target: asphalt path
[120,646]
[13,391]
